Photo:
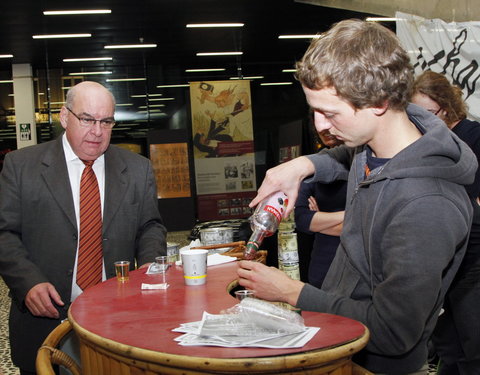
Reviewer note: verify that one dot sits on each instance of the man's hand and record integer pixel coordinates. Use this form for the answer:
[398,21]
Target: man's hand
[285,177]
[269,283]
[39,300]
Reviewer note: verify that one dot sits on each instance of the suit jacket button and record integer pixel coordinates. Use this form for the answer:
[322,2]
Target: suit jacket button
[70,272]
[75,236]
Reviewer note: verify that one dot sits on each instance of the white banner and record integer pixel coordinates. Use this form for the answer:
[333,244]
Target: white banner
[452,49]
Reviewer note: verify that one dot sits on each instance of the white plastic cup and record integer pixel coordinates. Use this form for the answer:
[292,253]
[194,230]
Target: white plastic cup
[194,266]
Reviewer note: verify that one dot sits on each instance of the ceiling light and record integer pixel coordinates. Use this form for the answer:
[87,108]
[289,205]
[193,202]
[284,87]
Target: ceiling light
[251,77]
[75,12]
[90,73]
[119,46]
[204,70]
[192,25]
[55,103]
[125,79]
[145,95]
[289,70]
[89,59]
[171,86]
[310,36]
[124,104]
[219,53]
[7,81]
[6,56]
[152,106]
[159,99]
[276,83]
[58,36]
[381,19]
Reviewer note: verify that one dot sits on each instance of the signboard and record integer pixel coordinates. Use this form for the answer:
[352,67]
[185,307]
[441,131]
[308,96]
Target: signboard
[223,148]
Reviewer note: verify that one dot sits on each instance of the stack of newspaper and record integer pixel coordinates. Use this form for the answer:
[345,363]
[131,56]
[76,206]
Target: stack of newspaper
[251,323]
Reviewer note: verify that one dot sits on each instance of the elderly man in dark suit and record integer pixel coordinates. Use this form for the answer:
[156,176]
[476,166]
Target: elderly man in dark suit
[40,217]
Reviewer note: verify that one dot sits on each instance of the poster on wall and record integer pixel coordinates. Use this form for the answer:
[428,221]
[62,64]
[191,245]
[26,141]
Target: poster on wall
[170,165]
[223,148]
[446,48]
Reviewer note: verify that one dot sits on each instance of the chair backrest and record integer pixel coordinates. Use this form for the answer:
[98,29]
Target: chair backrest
[49,354]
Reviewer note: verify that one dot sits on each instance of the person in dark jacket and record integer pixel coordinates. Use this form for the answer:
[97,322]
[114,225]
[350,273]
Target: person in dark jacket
[319,213]
[457,334]
[407,216]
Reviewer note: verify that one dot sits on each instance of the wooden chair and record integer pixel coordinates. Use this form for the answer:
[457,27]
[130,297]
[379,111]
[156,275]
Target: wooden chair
[49,355]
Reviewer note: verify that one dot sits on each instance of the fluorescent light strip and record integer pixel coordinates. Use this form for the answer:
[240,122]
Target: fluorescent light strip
[124,104]
[55,103]
[172,86]
[7,81]
[276,83]
[159,99]
[152,106]
[289,70]
[59,36]
[76,12]
[66,87]
[124,46]
[89,59]
[125,79]
[312,36]
[6,56]
[204,70]
[219,53]
[193,25]
[381,19]
[251,77]
[145,95]
[90,73]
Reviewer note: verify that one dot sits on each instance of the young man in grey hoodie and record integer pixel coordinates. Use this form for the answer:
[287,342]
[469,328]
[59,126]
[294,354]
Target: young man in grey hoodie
[407,216]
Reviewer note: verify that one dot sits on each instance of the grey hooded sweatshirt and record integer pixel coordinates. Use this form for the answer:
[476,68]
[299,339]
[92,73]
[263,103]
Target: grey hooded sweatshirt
[404,235]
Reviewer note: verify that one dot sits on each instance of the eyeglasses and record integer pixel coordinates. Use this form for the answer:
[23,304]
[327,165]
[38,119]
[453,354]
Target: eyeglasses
[88,122]
[435,112]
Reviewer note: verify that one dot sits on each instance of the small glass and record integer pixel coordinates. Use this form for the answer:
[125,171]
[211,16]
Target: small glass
[122,268]
[244,293]
[162,263]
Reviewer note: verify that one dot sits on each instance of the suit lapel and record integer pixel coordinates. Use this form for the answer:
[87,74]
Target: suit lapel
[56,178]
[116,185]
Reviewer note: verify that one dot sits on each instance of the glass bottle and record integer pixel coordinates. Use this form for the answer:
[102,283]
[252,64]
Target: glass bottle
[264,221]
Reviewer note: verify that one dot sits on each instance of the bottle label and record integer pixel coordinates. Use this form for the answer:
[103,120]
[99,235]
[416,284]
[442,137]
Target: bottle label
[276,204]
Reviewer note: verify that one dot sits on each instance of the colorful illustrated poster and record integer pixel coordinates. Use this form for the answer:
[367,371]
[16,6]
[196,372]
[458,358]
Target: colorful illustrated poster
[223,148]
[170,164]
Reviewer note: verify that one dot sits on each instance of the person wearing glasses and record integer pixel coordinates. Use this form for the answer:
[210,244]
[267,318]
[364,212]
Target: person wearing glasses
[39,216]
[457,335]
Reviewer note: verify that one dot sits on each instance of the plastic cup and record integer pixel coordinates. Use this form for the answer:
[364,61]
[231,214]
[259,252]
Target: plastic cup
[194,266]
[244,293]
[121,270]
[162,263]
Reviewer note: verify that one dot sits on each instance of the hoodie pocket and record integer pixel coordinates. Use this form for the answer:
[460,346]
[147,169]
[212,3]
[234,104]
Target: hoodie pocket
[342,277]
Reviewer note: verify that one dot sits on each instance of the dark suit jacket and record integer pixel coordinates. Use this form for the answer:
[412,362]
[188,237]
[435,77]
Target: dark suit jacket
[38,229]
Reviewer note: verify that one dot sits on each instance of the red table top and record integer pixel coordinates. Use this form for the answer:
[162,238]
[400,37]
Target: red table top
[124,313]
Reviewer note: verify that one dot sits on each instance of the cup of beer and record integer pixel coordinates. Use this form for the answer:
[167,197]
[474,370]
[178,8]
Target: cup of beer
[122,268]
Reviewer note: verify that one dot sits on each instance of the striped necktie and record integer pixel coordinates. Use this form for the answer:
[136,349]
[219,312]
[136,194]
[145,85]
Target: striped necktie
[89,268]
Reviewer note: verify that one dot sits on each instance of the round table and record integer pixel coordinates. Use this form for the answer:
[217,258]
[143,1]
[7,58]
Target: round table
[126,330]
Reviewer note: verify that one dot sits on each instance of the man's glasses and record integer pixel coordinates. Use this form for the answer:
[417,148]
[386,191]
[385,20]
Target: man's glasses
[88,122]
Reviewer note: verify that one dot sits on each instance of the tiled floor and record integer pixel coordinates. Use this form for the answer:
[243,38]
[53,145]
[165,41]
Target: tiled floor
[6,366]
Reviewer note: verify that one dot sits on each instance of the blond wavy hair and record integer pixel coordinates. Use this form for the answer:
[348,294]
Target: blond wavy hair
[363,61]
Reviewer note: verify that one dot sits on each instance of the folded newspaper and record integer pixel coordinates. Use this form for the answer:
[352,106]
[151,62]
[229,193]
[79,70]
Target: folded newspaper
[251,323]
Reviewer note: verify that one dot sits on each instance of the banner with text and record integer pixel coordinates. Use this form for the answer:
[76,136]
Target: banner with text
[447,48]
[223,148]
